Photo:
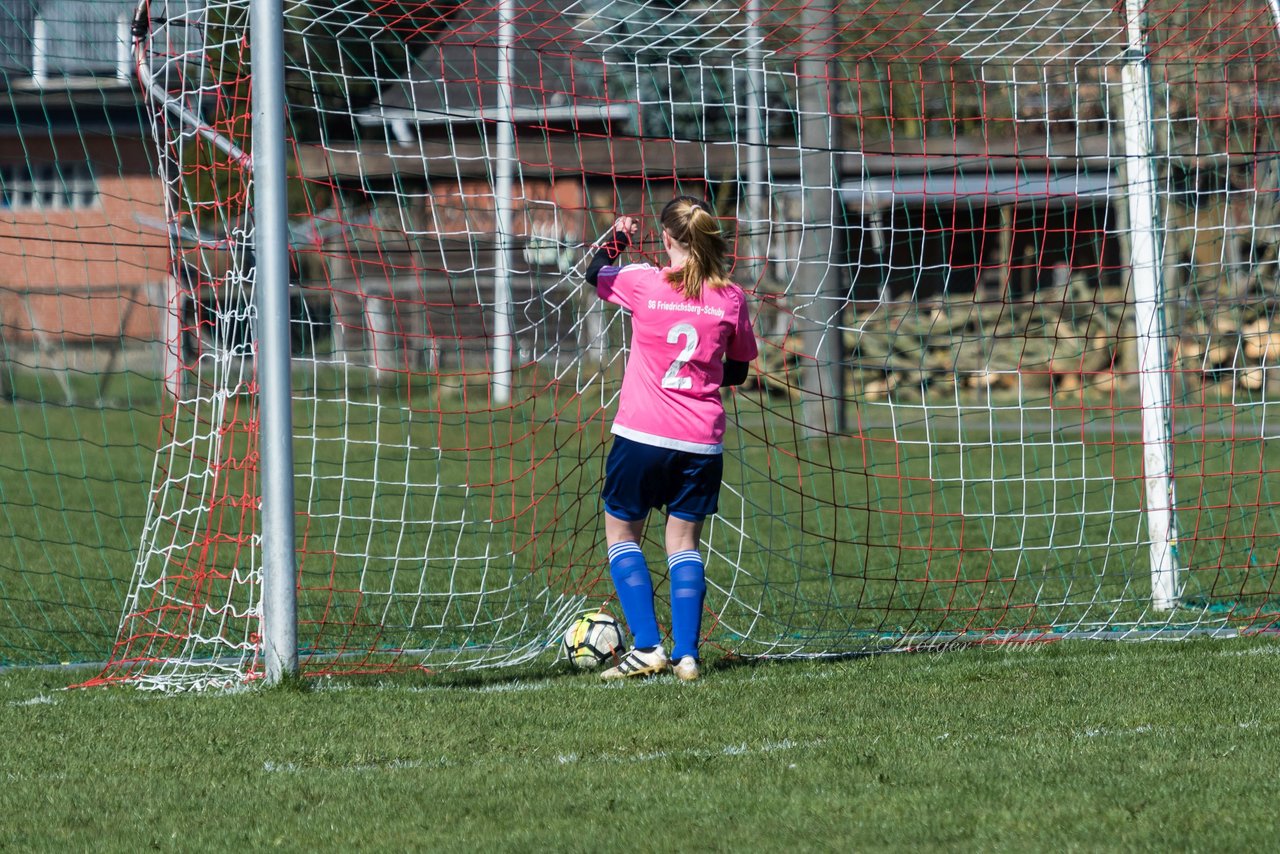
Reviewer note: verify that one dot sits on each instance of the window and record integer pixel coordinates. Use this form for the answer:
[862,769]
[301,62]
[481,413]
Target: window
[82,38]
[54,39]
[47,186]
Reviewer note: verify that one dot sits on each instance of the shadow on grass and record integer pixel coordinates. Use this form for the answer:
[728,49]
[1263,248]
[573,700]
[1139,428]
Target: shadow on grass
[731,662]
[530,672]
[554,670]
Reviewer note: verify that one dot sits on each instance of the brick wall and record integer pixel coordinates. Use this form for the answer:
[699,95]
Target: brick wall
[79,276]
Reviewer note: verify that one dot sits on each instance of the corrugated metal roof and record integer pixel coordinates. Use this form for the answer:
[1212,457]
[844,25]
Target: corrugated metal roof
[996,187]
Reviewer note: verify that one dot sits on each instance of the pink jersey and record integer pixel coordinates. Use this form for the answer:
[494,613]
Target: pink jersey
[671,388]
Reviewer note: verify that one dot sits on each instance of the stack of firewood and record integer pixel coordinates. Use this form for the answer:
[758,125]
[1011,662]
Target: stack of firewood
[1069,339]
[1222,347]
[1059,339]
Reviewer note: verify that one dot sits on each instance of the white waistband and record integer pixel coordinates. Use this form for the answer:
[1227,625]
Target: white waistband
[665,442]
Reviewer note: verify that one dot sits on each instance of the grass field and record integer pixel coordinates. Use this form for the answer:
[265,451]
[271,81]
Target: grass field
[1072,746]
[1068,745]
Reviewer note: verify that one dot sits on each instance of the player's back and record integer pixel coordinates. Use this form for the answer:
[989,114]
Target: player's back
[672,383]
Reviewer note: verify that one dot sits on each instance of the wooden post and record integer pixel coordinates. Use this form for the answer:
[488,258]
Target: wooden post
[1008,215]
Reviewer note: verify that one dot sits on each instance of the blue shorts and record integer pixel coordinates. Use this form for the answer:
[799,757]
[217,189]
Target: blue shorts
[639,478]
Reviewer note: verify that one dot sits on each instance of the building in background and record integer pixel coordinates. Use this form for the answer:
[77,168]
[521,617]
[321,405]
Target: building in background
[81,277]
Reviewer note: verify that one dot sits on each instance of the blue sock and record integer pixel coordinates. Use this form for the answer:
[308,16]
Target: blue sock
[635,592]
[688,590]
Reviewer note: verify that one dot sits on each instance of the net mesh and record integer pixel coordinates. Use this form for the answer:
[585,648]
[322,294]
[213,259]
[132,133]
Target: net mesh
[929,204]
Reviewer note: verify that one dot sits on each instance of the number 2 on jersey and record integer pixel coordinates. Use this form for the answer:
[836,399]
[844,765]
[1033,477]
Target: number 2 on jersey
[671,378]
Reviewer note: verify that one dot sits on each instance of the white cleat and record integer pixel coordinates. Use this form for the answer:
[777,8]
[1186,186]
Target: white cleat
[686,669]
[636,664]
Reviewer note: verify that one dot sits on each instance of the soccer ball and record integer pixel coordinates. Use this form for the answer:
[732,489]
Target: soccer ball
[593,640]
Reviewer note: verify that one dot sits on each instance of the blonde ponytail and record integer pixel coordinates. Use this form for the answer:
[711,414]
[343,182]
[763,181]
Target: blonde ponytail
[690,222]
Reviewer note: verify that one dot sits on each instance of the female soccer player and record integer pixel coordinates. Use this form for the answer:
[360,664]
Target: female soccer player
[691,335]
